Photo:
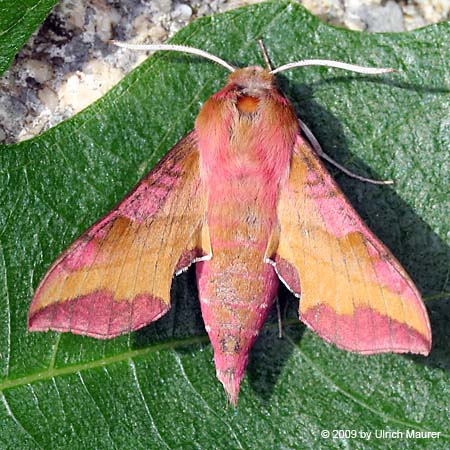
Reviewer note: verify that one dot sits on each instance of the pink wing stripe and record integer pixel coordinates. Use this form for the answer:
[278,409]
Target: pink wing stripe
[112,318]
[340,330]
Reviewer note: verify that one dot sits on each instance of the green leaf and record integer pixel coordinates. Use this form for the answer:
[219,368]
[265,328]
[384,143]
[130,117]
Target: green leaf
[156,388]
[17,22]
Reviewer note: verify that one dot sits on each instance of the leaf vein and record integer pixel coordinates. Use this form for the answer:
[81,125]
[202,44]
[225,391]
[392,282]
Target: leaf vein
[196,392]
[354,399]
[94,401]
[16,420]
[8,311]
[147,410]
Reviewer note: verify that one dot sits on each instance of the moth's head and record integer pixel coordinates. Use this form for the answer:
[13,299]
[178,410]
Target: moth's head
[252,79]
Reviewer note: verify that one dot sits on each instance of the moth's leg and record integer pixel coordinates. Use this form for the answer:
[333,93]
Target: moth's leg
[318,149]
[280,325]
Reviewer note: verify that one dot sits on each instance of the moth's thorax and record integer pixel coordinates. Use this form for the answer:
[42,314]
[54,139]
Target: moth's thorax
[247,129]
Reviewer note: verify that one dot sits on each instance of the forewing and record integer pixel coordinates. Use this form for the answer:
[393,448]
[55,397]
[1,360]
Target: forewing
[354,292]
[117,276]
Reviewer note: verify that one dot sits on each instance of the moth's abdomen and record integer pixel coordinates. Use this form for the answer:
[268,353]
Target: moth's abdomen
[236,291]
[236,288]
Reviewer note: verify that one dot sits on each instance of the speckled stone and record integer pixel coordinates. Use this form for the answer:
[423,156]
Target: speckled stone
[67,64]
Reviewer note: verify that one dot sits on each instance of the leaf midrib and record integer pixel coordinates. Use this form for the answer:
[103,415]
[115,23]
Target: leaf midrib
[52,372]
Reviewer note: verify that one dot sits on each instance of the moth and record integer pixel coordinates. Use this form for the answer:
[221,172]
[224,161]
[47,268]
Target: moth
[246,198]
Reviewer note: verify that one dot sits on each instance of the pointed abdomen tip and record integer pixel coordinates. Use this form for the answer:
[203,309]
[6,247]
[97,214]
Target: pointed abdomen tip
[231,384]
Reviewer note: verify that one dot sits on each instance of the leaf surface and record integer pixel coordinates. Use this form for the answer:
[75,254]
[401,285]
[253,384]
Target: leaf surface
[156,388]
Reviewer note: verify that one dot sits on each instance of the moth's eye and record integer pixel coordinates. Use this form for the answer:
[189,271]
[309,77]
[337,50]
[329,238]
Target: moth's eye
[247,104]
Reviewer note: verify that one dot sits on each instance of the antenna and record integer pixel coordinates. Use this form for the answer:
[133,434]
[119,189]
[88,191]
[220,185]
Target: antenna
[265,54]
[175,48]
[335,64]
